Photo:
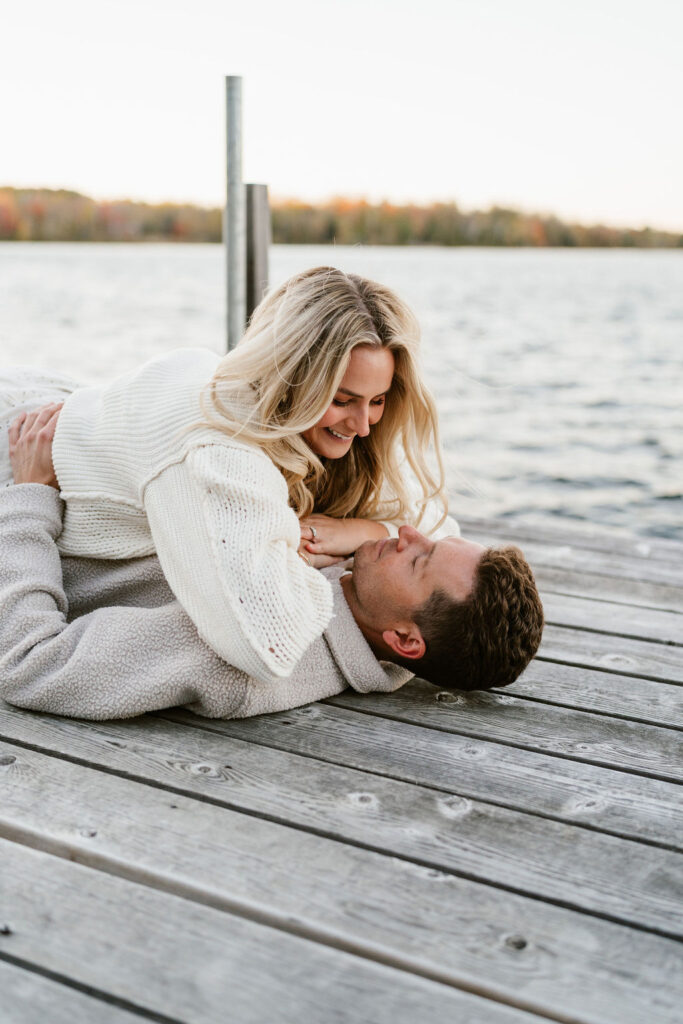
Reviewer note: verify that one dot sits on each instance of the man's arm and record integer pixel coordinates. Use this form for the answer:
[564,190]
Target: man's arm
[115,662]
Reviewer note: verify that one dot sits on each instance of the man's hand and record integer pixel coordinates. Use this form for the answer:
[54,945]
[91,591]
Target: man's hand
[30,446]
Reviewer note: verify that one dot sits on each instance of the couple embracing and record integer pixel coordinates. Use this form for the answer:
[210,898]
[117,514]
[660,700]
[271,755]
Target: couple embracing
[247,533]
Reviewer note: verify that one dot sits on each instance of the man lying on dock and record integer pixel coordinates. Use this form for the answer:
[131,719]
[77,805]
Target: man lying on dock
[107,639]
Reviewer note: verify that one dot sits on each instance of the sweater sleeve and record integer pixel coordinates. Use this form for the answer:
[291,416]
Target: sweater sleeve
[115,662]
[227,541]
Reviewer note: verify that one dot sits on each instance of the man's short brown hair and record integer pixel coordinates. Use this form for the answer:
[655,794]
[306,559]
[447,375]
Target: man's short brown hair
[488,639]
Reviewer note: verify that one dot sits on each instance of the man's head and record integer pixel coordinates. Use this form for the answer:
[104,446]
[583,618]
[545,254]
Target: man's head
[458,614]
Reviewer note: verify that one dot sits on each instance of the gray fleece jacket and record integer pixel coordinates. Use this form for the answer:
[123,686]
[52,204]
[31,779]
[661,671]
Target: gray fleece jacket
[96,639]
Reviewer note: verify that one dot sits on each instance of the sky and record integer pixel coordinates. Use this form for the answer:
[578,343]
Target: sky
[546,105]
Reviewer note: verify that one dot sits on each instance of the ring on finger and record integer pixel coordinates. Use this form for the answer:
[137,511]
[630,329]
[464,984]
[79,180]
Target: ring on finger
[314,532]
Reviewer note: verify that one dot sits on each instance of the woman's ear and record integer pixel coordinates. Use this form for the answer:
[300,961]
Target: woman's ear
[405,641]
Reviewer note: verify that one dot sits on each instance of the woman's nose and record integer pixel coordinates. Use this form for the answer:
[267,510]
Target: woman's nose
[361,422]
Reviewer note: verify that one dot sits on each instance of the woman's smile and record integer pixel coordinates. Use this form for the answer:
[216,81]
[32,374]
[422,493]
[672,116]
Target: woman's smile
[340,437]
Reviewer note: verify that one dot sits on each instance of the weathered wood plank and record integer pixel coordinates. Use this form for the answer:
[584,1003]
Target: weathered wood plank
[593,538]
[181,757]
[131,827]
[608,617]
[581,559]
[581,735]
[620,803]
[592,690]
[613,653]
[584,583]
[29,998]
[194,963]
[509,947]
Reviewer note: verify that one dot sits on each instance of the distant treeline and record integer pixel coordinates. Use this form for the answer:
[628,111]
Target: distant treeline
[62,216]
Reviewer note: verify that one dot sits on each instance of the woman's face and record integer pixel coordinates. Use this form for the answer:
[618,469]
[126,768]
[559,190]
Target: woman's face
[357,405]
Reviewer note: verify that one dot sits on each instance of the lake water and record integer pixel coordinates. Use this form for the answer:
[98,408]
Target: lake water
[558,373]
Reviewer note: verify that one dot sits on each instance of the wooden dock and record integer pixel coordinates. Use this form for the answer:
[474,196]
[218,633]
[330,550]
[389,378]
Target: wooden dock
[505,858]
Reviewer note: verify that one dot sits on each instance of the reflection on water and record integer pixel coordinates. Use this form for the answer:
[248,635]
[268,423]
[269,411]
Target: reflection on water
[558,373]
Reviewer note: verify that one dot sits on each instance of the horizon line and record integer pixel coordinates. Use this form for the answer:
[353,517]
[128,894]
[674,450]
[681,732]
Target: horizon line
[279,201]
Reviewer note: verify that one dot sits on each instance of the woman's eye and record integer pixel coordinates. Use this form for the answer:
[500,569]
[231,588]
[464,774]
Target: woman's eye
[377,401]
[341,405]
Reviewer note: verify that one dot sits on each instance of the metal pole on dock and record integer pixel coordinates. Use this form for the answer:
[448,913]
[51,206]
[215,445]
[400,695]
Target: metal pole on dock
[258,244]
[235,217]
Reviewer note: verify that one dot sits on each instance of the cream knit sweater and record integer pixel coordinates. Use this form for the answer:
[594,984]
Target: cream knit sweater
[138,476]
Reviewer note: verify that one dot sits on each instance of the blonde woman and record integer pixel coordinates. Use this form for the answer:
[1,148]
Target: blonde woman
[297,443]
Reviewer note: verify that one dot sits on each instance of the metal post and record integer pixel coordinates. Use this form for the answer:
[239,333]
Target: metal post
[258,244]
[235,219]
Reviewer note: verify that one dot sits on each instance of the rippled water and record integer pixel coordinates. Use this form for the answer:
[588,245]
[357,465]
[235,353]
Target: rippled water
[558,373]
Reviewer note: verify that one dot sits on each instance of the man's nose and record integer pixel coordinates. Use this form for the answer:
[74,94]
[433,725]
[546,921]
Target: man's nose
[408,535]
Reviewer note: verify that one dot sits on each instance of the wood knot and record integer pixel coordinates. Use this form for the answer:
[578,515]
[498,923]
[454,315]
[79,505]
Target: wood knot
[7,759]
[454,806]
[516,942]
[212,771]
[368,800]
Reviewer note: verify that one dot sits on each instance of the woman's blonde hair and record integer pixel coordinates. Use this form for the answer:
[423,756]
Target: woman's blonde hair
[281,379]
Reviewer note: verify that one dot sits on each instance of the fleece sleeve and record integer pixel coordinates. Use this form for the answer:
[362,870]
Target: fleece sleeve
[115,662]
[227,541]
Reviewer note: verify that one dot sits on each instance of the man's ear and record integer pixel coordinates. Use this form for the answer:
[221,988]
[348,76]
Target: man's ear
[405,641]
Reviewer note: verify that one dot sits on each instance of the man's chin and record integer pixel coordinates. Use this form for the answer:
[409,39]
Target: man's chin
[364,552]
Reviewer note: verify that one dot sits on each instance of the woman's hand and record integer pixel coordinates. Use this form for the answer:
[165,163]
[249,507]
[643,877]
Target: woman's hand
[30,446]
[318,561]
[337,538]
